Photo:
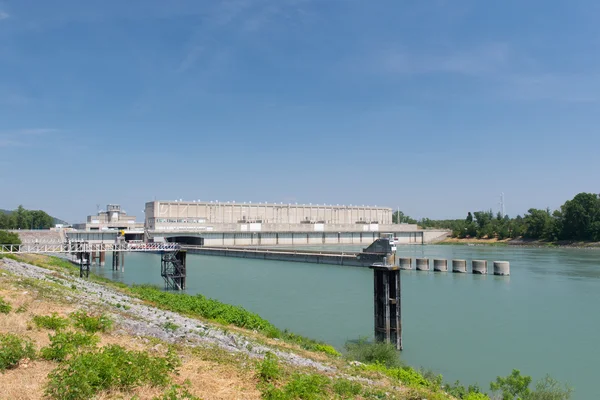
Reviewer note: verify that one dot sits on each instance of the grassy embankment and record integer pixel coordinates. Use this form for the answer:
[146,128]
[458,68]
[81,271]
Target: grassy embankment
[519,242]
[53,346]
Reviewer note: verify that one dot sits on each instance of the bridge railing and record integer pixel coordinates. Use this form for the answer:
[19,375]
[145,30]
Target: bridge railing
[85,247]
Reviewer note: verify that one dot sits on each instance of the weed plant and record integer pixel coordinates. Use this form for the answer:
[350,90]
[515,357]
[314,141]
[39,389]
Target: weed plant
[13,349]
[53,321]
[5,307]
[92,323]
[112,367]
[63,344]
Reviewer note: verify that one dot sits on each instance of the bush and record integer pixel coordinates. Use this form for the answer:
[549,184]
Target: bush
[53,321]
[9,238]
[516,386]
[64,344]
[13,349]
[371,353]
[269,368]
[4,306]
[346,388]
[92,323]
[112,367]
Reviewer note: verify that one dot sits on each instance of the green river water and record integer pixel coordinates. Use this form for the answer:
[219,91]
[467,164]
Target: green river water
[542,319]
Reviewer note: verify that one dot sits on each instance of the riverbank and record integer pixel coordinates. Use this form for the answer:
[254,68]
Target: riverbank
[211,358]
[520,242]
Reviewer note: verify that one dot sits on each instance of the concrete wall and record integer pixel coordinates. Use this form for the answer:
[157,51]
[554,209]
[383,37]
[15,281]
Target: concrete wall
[186,215]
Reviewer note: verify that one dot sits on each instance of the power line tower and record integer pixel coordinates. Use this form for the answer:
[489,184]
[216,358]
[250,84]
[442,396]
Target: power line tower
[502,204]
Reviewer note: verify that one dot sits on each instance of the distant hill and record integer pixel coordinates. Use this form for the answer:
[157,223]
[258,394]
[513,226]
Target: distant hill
[56,220]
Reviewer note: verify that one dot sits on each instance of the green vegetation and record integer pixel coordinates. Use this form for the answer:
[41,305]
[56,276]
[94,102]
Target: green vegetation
[9,238]
[576,220]
[53,321]
[112,367]
[5,307]
[200,306]
[373,353]
[170,326]
[269,368]
[63,344]
[91,323]
[176,392]
[13,349]
[25,219]
[516,386]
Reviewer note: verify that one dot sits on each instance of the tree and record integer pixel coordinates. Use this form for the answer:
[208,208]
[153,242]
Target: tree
[398,217]
[579,215]
[9,238]
[538,224]
[469,217]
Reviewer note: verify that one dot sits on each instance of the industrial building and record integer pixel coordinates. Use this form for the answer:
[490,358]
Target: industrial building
[114,218]
[240,224]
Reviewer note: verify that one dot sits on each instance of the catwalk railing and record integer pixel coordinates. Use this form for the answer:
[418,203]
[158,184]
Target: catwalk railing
[85,247]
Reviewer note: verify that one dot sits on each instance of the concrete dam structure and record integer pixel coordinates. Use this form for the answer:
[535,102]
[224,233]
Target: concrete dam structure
[270,224]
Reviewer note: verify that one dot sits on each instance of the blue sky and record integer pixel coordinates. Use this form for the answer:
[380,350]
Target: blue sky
[433,106]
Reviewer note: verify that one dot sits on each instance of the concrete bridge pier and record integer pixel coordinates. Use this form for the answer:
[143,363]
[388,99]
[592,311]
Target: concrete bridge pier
[479,266]
[405,263]
[501,268]
[440,265]
[422,264]
[102,258]
[459,266]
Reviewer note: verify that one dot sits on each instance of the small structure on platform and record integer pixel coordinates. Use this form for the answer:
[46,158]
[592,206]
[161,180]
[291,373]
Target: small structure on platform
[387,290]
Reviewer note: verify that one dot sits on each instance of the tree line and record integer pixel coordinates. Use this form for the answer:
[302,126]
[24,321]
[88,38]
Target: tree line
[577,219]
[22,218]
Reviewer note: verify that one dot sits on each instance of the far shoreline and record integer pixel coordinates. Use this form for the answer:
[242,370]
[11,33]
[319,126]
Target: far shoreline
[520,242]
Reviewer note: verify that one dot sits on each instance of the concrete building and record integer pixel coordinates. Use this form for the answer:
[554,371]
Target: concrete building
[240,224]
[112,219]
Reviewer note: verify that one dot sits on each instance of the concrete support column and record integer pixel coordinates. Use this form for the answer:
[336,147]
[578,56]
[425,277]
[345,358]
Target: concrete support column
[501,268]
[459,266]
[479,267]
[440,265]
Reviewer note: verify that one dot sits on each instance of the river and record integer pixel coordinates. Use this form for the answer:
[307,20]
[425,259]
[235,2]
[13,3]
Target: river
[542,319]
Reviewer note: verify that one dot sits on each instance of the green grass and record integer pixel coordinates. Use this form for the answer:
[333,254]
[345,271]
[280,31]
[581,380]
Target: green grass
[92,323]
[112,367]
[211,309]
[268,368]
[63,344]
[170,326]
[13,349]
[177,392]
[5,307]
[53,321]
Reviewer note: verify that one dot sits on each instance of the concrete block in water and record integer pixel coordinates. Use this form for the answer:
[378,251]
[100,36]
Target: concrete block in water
[405,263]
[422,264]
[479,266]
[440,265]
[459,265]
[501,268]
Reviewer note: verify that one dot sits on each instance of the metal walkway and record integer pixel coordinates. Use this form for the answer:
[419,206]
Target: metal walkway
[85,247]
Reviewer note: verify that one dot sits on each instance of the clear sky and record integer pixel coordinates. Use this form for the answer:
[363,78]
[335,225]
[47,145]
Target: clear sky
[433,106]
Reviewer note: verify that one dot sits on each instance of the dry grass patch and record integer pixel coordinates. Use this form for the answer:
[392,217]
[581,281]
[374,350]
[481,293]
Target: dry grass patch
[26,382]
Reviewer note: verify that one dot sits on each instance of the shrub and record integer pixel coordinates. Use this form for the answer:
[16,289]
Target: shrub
[346,388]
[63,344]
[371,353]
[269,368]
[53,321]
[516,386]
[92,323]
[13,349]
[4,306]
[112,367]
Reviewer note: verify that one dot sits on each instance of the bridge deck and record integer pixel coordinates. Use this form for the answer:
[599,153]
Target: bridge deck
[85,247]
